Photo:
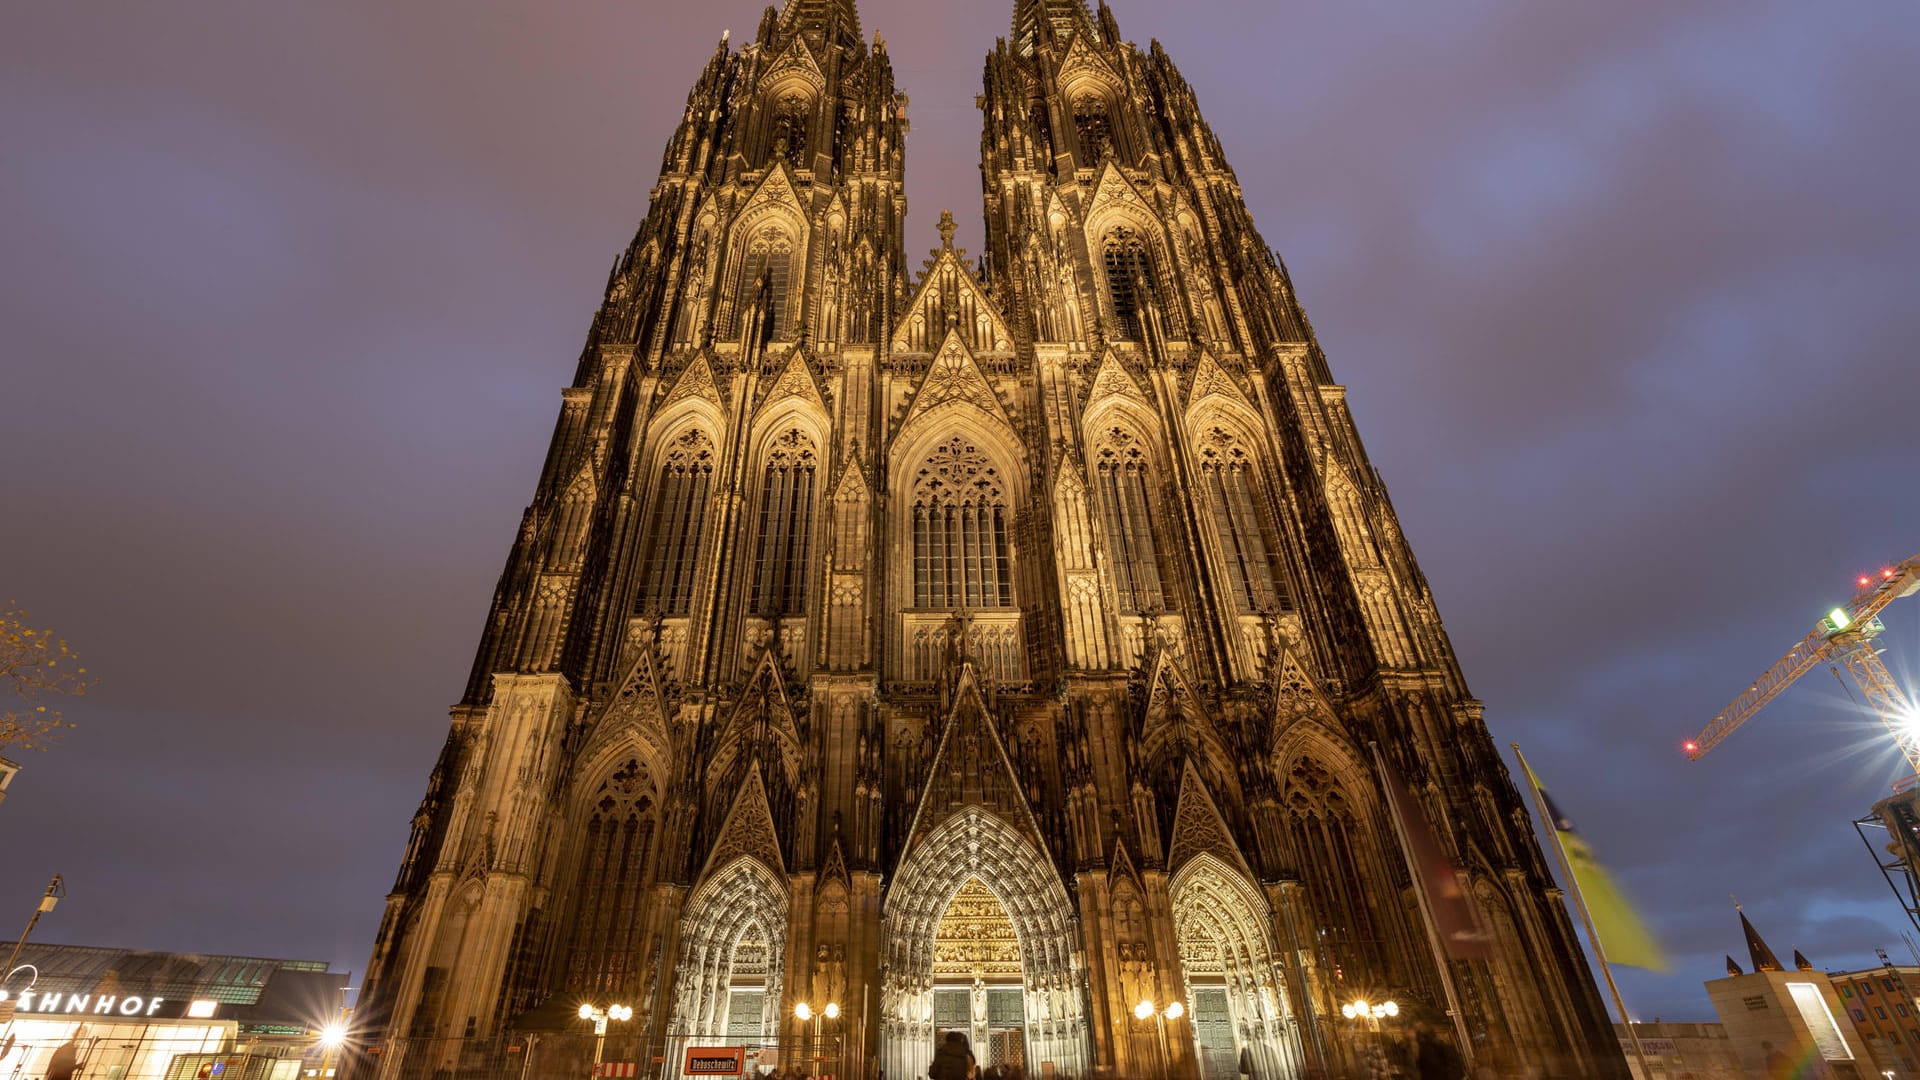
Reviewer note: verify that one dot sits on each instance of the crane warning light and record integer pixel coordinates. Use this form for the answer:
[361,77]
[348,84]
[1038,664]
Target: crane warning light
[1886,572]
[1689,746]
[1863,580]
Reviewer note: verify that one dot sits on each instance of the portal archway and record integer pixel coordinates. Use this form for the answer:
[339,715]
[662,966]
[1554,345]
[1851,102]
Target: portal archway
[1235,1002]
[970,854]
[732,937]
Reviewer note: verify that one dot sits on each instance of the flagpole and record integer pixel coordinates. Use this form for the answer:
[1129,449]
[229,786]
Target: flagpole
[1426,908]
[1580,902]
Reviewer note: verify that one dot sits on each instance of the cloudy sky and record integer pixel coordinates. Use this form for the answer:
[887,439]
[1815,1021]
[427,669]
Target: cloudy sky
[1623,293]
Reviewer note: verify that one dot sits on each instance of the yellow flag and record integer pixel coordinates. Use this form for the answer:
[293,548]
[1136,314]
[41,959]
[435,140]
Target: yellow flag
[1624,937]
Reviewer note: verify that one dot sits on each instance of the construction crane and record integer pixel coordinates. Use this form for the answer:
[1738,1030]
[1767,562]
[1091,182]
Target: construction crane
[1844,638]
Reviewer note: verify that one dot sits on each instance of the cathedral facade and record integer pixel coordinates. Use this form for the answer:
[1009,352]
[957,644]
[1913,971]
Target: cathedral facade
[990,645]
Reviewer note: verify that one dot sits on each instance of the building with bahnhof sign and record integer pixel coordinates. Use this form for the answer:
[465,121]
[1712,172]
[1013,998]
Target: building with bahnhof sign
[124,1014]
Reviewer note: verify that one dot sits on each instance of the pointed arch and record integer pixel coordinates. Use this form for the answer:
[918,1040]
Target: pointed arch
[768,245]
[683,463]
[733,934]
[1333,822]
[1236,1000]
[974,843]
[1127,468]
[1236,493]
[617,821]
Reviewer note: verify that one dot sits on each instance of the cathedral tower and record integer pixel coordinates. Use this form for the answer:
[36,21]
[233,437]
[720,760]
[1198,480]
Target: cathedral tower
[989,648]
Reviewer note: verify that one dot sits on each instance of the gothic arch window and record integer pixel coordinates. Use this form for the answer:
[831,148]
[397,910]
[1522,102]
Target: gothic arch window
[1125,479]
[791,116]
[768,264]
[1232,485]
[961,524]
[679,520]
[615,862]
[786,524]
[1325,832]
[1129,269]
[1095,128]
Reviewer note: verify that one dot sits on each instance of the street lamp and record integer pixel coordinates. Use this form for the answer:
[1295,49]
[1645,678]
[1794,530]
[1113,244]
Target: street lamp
[1371,1012]
[600,1018]
[1173,1010]
[805,1012]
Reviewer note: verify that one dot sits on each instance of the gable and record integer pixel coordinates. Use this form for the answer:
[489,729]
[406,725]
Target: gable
[748,831]
[796,64]
[1199,829]
[971,769]
[1082,65]
[797,380]
[1114,192]
[1210,380]
[695,381]
[949,298]
[954,378]
[1111,380]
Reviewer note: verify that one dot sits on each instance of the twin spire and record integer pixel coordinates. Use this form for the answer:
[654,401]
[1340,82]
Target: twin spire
[1759,953]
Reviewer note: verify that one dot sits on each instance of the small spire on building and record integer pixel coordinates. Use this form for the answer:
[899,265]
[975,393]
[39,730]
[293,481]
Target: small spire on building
[1733,968]
[947,228]
[1800,962]
[1757,950]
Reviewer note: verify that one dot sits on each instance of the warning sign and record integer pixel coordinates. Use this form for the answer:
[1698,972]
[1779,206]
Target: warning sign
[715,1060]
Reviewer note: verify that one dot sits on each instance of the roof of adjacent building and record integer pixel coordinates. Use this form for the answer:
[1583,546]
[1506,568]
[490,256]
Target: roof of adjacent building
[256,991]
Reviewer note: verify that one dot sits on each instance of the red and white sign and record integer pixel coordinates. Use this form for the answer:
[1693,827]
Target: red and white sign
[715,1060]
[616,1069]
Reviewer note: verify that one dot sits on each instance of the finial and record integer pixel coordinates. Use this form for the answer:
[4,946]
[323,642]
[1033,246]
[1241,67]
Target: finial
[726,35]
[946,228]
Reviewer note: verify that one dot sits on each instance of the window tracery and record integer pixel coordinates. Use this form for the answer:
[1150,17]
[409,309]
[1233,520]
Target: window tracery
[1095,128]
[768,263]
[679,519]
[1124,476]
[1325,830]
[1231,484]
[961,520]
[1129,278]
[786,524]
[790,116]
[615,864]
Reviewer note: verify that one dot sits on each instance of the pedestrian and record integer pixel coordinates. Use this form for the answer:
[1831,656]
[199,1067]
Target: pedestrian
[1433,1057]
[954,1059]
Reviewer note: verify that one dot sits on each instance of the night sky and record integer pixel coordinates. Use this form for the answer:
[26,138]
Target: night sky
[1623,293]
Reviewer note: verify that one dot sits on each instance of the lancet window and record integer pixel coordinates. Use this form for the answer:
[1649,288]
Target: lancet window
[1232,482]
[615,864]
[1325,832]
[768,263]
[790,117]
[1125,481]
[1129,278]
[679,520]
[1095,129]
[786,524]
[961,523]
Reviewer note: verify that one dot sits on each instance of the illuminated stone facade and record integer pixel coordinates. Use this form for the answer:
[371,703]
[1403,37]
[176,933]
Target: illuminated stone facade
[1054,585]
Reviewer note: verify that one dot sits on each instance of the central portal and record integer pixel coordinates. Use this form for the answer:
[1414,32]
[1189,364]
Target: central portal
[977,984]
[979,939]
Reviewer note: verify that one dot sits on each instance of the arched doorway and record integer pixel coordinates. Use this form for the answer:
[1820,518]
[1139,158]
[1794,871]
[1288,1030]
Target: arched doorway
[977,979]
[732,936]
[979,870]
[1235,1002]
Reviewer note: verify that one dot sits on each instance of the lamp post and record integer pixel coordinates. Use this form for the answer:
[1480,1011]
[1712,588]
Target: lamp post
[600,1018]
[805,1012]
[1372,1013]
[1173,1010]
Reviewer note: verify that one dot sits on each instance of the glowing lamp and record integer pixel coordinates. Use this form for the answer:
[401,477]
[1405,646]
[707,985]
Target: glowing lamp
[832,1010]
[803,1010]
[586,1011]
[1175,1010]
[620,1012]
[1143,1010]
[1392,1008]
[332,1035]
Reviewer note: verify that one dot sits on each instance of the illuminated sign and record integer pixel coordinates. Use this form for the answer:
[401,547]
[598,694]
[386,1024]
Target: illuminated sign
[715,1060]
[53,1001]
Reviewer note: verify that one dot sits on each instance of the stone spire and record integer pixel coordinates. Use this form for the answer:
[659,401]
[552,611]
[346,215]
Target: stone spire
[1762,956]
[1035,21]
[838,20]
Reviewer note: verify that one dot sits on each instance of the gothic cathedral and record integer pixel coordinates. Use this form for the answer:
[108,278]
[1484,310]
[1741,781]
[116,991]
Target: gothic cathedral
[997,645]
